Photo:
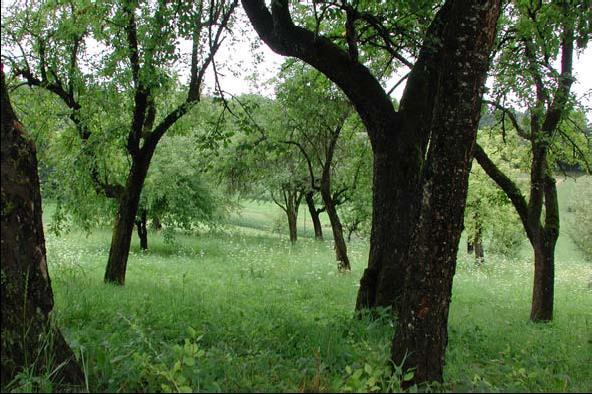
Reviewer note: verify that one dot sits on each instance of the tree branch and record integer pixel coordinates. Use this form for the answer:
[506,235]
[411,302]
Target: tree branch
[506,184]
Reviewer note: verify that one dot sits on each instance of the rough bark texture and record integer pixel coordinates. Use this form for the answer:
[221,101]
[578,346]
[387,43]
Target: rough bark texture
[421,333]
[142,229]
[314,215]
[28,339]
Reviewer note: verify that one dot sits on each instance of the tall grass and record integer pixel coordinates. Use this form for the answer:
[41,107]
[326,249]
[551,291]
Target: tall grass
[242,310]
[237,311]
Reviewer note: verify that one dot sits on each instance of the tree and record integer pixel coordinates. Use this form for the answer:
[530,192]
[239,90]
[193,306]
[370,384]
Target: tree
[28,338]
[316,121]
[422,151]
[543,33]
[142,37]
[177,193]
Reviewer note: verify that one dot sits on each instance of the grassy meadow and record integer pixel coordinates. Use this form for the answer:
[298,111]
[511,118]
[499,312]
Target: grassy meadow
[241,310]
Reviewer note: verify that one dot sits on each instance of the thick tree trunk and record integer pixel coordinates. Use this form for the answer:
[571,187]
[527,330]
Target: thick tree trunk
[394,210]
[314,215]
[124,223]
[441,104]
[28,339]
[543,287]
[421,334]
[142,230]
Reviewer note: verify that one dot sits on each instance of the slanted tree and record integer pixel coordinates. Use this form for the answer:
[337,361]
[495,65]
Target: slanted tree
[29,340]
[422,151]
[544,34]
[140,36]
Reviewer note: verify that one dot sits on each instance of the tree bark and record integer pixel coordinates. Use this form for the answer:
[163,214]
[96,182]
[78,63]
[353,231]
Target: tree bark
[543,287]
[421,334]
[394,210]
[142,230]
[314,215]
[28,338]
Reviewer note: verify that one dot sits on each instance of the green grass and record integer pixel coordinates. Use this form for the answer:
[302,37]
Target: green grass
[269,218]
[242,310]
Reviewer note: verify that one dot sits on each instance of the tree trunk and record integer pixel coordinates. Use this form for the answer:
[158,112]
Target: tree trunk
[314,215]
[543,287]
[28,339]
[478,241]
[124,223]
[142,230]
[479,252]
[156,223]
[292,224]
[343,264]
[544,256]
[421,334]
[394,210]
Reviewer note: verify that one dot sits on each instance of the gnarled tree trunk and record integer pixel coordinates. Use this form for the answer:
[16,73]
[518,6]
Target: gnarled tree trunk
[28,339]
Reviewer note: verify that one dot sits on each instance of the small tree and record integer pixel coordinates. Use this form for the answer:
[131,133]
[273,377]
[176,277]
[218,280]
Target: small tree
[138,62]
[542,33]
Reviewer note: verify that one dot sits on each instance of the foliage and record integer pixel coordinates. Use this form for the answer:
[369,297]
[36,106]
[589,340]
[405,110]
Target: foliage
[114,71]
[487,205]
[579,215]
[177,191]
